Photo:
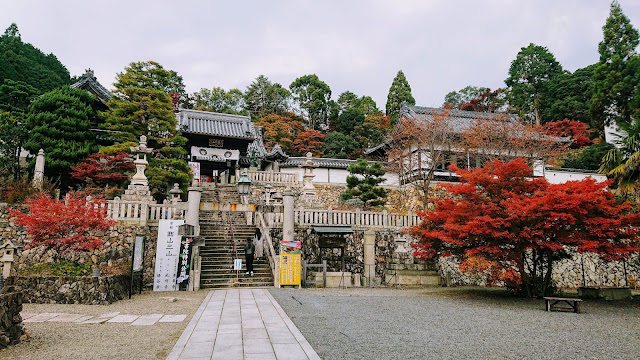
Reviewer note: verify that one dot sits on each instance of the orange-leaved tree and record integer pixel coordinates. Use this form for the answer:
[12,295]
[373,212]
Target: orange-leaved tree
[281,129]
[578,131]
[64,225]
[309,141]
[525,224]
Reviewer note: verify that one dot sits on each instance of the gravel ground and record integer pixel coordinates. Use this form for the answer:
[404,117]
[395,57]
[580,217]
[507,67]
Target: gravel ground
[52,340]
[457,323]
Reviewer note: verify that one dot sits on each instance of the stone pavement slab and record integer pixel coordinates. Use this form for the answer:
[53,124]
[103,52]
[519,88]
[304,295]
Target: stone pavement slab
[241,324]
[66,318]
[42,317]
[146,320]
[172,318]
[27,315]
[124,319]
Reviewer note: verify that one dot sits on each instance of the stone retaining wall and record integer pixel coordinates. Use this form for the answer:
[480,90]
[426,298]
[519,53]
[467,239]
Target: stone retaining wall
[11,330]
[567,273]
[112,257]
[71,289]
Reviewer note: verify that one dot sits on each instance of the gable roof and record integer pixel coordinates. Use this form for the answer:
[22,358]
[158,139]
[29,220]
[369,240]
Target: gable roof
[216,124]
[89,83]
[459,120]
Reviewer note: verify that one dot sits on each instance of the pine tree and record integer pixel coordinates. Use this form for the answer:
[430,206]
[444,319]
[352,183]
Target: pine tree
[141,106]
[615,74]
[363,183]
[60,122]
[399,95]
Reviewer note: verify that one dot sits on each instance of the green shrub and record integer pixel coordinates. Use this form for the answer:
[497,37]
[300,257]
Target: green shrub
[59,268]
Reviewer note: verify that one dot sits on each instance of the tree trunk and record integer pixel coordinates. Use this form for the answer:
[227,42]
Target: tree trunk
[536,110]
[547,278]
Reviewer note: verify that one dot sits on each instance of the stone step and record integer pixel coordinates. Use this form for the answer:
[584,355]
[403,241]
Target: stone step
[412,272]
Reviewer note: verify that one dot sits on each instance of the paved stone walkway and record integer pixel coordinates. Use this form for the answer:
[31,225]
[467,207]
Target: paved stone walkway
[241,324]
[114,317]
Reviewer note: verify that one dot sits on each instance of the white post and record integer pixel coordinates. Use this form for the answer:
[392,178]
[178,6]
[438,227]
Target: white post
[287,221]
[38,174]
[370,255]
[193,208]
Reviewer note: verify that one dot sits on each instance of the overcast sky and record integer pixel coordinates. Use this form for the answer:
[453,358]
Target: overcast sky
[441,45]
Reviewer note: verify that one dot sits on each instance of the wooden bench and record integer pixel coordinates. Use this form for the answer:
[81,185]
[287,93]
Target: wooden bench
[554,302]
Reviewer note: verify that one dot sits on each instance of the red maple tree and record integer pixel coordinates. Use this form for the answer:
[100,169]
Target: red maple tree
[524,224]
[64,225]
[578,131]
[309,141]
[103,169]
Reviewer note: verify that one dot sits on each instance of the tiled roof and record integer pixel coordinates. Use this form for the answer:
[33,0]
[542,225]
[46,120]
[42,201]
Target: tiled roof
[459,120]
[216,124]
[276,153]
[257,146]
[88,82]
[319,162]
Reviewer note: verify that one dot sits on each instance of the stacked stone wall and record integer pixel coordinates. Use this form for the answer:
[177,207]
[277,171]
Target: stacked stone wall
[113,257]
[71,289]
[11,330]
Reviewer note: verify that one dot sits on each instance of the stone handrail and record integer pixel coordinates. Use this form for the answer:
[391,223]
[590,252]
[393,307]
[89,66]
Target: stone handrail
[273,177]
[357,218]
[271,253]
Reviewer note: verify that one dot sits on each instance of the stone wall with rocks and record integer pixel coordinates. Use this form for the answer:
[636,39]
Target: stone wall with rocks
[71,289]
[11,330]
[113,257]
[353,251]
[567,273]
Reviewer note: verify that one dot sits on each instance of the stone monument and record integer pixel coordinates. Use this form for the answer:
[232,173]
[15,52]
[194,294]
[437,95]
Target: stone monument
[38,174]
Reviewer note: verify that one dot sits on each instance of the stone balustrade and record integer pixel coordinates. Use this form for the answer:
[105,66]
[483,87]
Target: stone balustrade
[144,212]
[355,218]
[272,177]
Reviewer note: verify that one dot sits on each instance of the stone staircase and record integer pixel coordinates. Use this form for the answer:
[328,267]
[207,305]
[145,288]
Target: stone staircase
[217,254]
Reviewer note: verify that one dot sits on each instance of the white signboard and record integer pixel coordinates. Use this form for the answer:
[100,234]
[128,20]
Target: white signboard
[237,264]
[195,168]
[167,256]
[211,154]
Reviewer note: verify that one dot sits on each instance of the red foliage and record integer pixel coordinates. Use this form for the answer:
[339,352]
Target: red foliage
[64,225]
[103,169]
[498,212]
[309,141]
[577,130]
[488,101]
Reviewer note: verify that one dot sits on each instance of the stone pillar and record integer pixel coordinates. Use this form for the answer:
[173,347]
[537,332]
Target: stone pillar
[370,255]
[38,174]
[193,208]
[288,216]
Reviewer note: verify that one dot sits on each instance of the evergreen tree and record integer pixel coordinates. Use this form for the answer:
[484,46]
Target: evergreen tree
[615,76]
[141,106]
[339,145]
[263,97]
[313,96]
[15,97]
[23,62]
[363,181]
[568,96]
[529,73]
[60,122]
[399,96]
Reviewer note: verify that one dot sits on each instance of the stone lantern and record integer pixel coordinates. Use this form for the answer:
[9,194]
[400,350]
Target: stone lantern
[138,189]
[175,193]
[9,250]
